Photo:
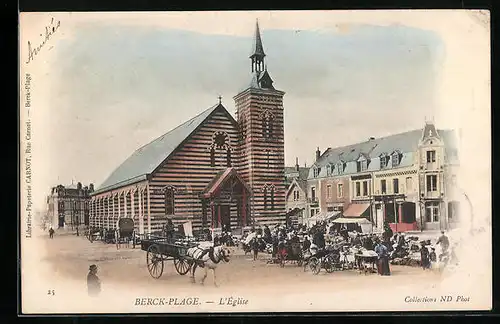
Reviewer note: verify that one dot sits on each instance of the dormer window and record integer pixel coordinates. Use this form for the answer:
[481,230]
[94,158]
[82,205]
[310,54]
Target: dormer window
[362,163]
[316,172]
[396,158]
[329,169]
[340,167]
[384,160]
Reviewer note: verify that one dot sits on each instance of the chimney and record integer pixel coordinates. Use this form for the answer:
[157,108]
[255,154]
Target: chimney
[371,138]
[318,154]
[297,167]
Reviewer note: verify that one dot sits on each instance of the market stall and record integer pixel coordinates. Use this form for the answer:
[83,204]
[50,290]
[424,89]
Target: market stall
[366,225]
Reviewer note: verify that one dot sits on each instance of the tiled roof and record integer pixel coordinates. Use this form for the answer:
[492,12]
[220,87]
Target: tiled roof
[302,184]
[406,143]
[303,173]
[147,158]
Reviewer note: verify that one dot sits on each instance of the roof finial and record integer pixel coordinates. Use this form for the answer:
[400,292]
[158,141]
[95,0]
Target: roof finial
[220,99]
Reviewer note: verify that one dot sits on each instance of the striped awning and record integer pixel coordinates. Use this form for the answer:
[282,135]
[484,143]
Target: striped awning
[355,210]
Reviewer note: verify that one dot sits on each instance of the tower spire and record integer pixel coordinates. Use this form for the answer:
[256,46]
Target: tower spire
[258,54]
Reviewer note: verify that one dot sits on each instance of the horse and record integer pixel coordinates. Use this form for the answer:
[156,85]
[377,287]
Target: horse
[207,258]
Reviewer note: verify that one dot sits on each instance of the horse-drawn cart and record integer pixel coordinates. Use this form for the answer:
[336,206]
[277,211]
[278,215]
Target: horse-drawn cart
[161,249]
[290,252]
[124,232]
[92,233]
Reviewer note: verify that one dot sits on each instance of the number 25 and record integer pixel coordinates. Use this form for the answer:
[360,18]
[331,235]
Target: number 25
[51,292]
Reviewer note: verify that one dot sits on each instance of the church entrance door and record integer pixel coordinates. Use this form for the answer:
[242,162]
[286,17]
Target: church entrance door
[225,217]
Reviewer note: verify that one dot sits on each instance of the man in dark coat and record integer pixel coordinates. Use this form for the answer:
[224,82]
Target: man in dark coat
[444,241]
[51,232]
[306,244]
[255,243]
[424,257]
[319,239]
[368,243]
[267,234]
[93,282]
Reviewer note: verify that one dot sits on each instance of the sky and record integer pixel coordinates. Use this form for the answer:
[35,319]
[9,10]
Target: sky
[114,84]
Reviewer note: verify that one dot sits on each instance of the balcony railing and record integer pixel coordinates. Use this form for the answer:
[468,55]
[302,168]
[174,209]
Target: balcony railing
[432,194]
[313,201]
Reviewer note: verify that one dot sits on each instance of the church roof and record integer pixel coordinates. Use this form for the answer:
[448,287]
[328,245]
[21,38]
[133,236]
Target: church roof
[148,157]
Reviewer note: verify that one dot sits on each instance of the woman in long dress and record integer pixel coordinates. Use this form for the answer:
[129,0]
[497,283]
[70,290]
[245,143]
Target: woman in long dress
[383,259]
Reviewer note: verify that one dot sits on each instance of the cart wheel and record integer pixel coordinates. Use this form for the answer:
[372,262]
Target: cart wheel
[328,265]
[315,265]
[182,266]
[154,261]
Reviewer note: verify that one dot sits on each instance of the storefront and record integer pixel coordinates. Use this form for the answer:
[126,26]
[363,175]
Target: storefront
[396,211]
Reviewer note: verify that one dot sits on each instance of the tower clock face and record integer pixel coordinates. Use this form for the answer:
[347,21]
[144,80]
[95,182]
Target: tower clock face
[221,139]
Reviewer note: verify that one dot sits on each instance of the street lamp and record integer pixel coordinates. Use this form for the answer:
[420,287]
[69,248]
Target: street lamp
[422,214]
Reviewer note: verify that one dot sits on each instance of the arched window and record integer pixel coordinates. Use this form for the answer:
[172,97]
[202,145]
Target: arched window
[243,129]
[169,201]
[212,156]
[267,125]
[220,143]
[268,197]
[272,198]
[265,198]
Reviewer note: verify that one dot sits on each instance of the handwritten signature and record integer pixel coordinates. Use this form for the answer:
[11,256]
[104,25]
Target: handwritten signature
[49,31]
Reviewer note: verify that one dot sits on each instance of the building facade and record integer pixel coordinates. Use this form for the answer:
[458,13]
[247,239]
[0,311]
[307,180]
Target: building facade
[69,206]
[296,193]
[403,180]
[214,170]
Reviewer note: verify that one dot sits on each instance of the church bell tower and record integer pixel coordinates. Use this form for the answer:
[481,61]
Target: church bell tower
[259,111]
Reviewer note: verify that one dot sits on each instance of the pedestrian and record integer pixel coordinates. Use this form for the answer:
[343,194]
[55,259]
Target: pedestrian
[444,241]
[306,244]
[383,259]
[51,232]
[432,255]
[216,240]
[424,257]
[255,247]
[93,282]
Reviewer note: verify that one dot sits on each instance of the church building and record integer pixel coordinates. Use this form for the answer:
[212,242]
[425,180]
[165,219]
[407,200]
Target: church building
[213,170]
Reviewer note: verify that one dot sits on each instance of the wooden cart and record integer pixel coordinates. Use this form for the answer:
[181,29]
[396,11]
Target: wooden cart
[160,249]
[125,232]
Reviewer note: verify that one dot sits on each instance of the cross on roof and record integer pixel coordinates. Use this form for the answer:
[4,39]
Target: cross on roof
[220,100]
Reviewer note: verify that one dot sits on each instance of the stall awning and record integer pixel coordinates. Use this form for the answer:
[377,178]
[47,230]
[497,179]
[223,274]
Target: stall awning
[352,220]
[331,214]
[322,216]
[355,210]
